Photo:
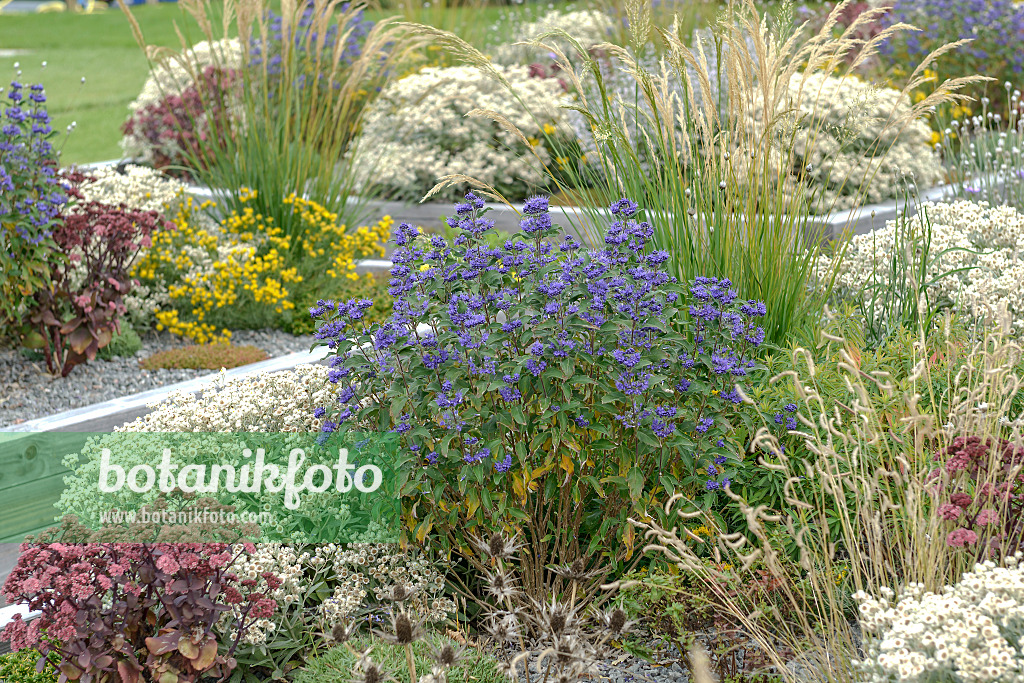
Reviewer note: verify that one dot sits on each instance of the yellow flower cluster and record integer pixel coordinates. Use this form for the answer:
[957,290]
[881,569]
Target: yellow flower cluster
[245,269]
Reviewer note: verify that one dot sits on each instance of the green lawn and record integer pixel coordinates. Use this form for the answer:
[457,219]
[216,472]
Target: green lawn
[101,48]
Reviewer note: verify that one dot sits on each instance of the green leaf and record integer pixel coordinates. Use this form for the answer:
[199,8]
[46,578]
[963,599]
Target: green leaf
[635,480]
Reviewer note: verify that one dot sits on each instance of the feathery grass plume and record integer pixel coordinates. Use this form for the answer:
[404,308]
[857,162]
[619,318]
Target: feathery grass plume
[720,170]
[865,501]
[296,104]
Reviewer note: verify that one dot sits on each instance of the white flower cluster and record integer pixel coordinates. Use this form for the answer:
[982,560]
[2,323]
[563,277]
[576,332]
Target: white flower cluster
[847,133]
[971,632]
[589,27]
[417,131]
[138,187]
[267,402]
[978,245]
[285,563]
[365,568]
[172,76]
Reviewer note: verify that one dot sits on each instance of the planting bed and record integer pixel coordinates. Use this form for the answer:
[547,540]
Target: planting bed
[30,393]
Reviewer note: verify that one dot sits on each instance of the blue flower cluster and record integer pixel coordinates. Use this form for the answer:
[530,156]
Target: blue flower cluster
[995,27]
[29,188]
[31,195]
[541,340]
[313,51]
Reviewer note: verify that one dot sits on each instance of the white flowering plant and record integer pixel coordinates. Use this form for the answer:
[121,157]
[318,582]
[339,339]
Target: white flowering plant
[590,27]
[418,130]
[969,632]
[276,412]
[840,132]
[324,586]
[963,253]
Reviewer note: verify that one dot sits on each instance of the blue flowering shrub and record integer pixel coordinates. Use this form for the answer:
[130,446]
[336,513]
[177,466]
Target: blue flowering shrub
[994,27]
[546,388]
[31,197]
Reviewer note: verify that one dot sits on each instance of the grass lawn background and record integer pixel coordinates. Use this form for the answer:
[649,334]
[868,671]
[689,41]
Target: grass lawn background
[101,48]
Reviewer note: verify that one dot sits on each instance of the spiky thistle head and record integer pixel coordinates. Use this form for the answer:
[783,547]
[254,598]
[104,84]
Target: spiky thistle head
[399,593]
[368,671]
[501,584]
[504,627]
[615,622]
[404,630]
[447,655]
[497,547]
[576,571]
[342,631]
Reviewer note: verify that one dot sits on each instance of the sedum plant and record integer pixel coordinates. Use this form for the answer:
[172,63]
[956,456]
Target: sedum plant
[544,386]
[80,310]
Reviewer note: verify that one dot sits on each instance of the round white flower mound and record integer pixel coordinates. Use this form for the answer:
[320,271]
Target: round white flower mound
[589,27]
[981,242]
[417,131]
[971,632]
[139,187]
[848,134]
[268,402]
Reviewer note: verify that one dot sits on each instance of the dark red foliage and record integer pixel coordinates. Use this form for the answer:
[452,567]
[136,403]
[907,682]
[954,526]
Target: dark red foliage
[75,319]
[130,612]
[177,126]
[985,485]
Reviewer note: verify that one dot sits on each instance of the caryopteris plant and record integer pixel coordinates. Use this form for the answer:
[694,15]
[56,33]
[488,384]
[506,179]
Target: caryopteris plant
[285,120]
[711,136]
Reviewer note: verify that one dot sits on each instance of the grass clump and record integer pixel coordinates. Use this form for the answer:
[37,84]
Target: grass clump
[338,664]
[204,357]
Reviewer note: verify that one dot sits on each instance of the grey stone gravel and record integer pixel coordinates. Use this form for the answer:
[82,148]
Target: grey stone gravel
[27,392]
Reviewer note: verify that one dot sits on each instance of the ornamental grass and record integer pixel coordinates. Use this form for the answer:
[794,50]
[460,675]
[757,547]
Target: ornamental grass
[890,493]
[287,123]
[709,135]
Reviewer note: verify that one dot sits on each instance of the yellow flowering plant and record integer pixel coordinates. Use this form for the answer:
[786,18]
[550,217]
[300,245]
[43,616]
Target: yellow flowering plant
[244,271]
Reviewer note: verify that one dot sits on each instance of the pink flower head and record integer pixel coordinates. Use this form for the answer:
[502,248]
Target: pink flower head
[949,512]
[961,500]
[958,538]
[987,516]
[167,564]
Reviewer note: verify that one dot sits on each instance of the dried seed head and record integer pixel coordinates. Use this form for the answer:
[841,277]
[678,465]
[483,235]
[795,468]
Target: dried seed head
[501,584]
[369,671]
[577,571]
[447,656]
[398,593]
[404,629]
[342,632]
[616,621]
[497,546]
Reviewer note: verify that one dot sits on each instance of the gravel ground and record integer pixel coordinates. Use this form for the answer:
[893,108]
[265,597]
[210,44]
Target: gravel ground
[27,392]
